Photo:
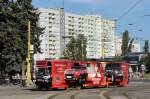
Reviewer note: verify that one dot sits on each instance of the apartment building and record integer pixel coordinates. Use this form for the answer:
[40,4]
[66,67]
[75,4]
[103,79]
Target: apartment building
[118,43]
[108,37]
[60,25]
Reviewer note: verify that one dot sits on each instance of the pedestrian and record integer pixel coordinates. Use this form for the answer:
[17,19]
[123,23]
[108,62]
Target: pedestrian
[142,70]
[18,78]
[7,80]
[130,72]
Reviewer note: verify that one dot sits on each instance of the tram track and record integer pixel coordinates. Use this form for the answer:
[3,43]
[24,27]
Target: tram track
[57,94]
[72,93]
[103,93]
[129,97]
[121,94]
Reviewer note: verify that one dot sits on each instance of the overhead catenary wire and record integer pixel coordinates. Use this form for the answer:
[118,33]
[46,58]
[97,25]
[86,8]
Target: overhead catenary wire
[63,3]
[131,8]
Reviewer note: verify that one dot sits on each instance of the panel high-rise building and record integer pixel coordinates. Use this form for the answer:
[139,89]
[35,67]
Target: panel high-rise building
[59,25]
[108,37]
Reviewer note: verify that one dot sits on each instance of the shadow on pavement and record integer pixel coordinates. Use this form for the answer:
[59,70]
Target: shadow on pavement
[43,89]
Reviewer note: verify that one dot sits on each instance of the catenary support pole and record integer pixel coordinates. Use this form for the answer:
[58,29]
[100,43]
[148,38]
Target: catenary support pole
[28,72]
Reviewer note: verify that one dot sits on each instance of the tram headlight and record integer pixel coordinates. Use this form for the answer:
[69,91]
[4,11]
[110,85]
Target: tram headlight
[46,77]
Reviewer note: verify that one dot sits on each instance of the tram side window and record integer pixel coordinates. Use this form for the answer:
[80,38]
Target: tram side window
[108,67]
[76,66]
[98,65]
[83,67]
[116,67]
[41,71]
[49,67]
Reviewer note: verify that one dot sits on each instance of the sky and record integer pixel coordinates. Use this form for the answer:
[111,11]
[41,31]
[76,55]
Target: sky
[136,21]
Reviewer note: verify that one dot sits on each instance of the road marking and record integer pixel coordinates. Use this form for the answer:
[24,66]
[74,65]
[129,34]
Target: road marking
[101,95]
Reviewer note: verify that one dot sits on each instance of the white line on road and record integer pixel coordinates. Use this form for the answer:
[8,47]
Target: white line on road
[102,95]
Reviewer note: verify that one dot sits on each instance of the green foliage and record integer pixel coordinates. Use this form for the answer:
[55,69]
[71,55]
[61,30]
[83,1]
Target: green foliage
[76,48]
[147,58]
[146,47]
[117,58]
[130,45]
[125,41]
[8,40]
[147,61]
[14,17]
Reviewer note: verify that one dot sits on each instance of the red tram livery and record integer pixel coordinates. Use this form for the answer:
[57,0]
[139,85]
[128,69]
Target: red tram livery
[61,74]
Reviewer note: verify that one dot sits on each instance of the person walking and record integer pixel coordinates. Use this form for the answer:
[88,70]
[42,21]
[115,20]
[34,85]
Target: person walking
[142,70]
[130,72]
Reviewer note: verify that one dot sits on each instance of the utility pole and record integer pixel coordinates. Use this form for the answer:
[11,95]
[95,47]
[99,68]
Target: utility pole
[28,72]
[63,4]
[102,40]
[62,31]
[115,30]
[102,44]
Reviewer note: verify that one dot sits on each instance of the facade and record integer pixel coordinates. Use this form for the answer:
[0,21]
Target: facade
[118,43]
[108,37]
[50,40]
[60,25]
[136,47]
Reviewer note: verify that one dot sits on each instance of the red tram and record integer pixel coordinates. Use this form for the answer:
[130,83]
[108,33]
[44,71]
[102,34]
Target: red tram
[61,73]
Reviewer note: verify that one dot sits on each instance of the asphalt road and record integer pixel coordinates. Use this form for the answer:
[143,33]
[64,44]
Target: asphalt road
[139,89]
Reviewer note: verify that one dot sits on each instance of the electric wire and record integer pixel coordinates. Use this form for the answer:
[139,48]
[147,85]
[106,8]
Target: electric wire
[131,8]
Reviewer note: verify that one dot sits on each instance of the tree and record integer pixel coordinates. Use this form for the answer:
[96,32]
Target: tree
[130,45]
[126,46]
[147,62]
[125,40]
[14,17]
[117,58]
[26,12]
[146,47]
[147,58]
[76,48]
[9,58]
